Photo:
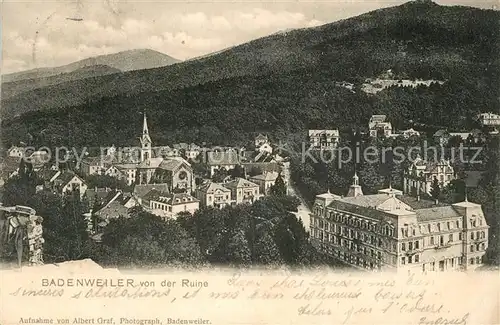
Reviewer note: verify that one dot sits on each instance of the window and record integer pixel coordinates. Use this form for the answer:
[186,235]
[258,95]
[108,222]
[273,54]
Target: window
[458,224]
[410,258]
[429,228]
[478,260]
[416,244]
[439,226]
[471,235]
[471,261]
[471,248]
[448,225]
[403,260]
[417,259]
[403,246]
[459,236]
[441,240]
[450,238]
[410,246]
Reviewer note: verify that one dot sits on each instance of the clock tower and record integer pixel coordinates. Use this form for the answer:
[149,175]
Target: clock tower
[145,141]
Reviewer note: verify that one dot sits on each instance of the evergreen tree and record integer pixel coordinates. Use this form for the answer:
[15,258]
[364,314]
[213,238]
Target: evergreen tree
[279,187]
[238,250]
[435,190]
[266,251]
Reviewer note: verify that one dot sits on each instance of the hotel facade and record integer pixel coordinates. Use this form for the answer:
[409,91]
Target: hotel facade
[387,231]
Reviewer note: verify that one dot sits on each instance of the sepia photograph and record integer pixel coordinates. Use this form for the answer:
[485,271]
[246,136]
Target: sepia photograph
[357,137]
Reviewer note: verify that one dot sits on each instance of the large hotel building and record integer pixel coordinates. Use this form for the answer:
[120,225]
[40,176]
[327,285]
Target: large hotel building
[389,231]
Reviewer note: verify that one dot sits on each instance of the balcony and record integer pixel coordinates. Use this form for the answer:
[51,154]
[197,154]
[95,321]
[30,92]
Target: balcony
[447,245]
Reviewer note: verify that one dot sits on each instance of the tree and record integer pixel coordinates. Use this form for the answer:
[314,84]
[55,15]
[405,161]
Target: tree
[266,251]
[371,178]
[279,188]
[65,229]
[238,251]
[237,171]
[147,240]
[435,190]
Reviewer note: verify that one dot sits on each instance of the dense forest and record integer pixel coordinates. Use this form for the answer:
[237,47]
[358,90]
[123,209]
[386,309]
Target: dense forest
[283,83]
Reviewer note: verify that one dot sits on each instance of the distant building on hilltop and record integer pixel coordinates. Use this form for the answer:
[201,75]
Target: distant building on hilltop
[324,139]
[379,124]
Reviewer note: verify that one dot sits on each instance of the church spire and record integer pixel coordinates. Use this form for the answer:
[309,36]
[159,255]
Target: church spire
[145,130]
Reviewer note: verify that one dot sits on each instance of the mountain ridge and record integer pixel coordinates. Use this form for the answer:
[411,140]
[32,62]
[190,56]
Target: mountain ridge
[123,60]
[288,79]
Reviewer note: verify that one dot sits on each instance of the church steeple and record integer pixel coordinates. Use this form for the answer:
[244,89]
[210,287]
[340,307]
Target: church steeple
[145,141]
[145,130]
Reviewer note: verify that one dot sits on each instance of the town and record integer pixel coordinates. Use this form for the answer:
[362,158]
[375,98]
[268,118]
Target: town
[399,224]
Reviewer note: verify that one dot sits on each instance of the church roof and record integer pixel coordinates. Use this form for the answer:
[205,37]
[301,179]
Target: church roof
[151,163]
[173,163]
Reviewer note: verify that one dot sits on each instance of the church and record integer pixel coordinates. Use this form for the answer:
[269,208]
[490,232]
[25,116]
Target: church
[176,172]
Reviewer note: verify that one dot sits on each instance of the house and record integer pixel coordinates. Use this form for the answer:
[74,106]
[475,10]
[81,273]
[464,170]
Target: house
[92,166]
[441,137]
[257,168]
[15,151]
[489,119]
[265,148]
[128,172]
[141,190]
[409,133]
[213,194]
[222,159]
[68,182]
[97,196]
[260,139]
[115,172]
[193,151]
[265,181]
[169,204]
[243,191]
[420,175]
[324,139]
[384,232]
[38,159]
[378,124]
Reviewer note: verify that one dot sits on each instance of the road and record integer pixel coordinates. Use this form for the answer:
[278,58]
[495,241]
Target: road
[304,210]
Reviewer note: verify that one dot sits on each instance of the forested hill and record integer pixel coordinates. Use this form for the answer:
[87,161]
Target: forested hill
[287,80]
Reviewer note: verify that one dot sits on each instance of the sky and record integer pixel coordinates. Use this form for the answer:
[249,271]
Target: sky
[37,33]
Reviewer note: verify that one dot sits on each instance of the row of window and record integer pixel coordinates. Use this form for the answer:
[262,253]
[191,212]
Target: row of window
[477,247]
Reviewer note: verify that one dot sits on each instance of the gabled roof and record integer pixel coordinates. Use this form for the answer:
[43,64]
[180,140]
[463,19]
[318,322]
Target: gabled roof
[266,176]
[240,183]
[211,187]
[173,163]
[141,190]
[261,137]
[113,210]
[66,176]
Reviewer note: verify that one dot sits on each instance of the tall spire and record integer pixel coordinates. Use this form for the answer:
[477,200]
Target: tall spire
[145,130]
[466,194]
